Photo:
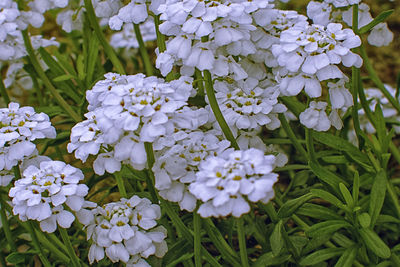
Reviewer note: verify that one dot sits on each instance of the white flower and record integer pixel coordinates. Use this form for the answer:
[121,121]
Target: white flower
[42,191]
[223,181]
[315,117]
[19,127]
[380,35]
[127,38]
[339,95]
[175,167]
[126,231]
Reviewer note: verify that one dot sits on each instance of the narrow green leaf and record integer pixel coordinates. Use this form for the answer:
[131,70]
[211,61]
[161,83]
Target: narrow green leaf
[80,66]
[348,257]
[289,207]
[315,243]
[374,243]
[328,197]
[380,18]
[383,218]
[378,192]
[327,176]
[276,239]
[346,195]
[64,77]
[92,59]
[343,145]
[356,186]
[268,259]
[321,255]
[16,257]
[327,227]
[364,219]
[337,159]
[318,212]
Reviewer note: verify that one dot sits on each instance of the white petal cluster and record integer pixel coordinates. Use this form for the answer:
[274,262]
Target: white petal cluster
[250,104]
[176,166]
[225,183]
[127,38]
[43,191]
[315,117]
[19,126]
[125,112]
[126,231]
[226,24]
[314,48]
[325,12]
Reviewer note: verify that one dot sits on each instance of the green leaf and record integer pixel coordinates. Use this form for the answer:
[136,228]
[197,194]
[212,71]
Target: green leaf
[315,243]
[328,197]
[327,176]
[348,257]
[328,227]
[318,212]
[276,239]
[356,186]
[338,159]
[364,219]
[380,18]
[343,145]
[374,243]
[346,195]
[64,77]
[92,59]
[383,218]
[378,192]
[289,207]
[268,259]
[16,257]
[321,255]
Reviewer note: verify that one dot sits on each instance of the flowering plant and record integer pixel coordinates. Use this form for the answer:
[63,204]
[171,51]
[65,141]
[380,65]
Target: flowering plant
[198,133]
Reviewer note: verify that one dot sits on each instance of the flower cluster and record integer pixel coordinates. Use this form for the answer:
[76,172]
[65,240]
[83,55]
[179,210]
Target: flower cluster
[19,127]
[176,166]
[325,12]
[127,231]
[43,191]
[125,112]
[224,182]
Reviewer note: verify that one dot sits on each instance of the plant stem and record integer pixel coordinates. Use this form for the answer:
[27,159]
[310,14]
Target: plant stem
[394,197]
[291,135]
[107,47]
[45,79]
[160,37]
[67,242]
[216,110]
[3,92]
[143,51]
[197,239]
[36,244]
[120,184]
[6,226]
[310,145]
[242,242]
[150,179]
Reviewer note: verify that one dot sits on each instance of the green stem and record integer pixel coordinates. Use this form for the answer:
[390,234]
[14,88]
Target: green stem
[45,79]
[292,136]
[160,37]
[375,78]
[6,225]
[36,244]
[107,47]
[150,179]
[216,110]
[197,239]
[394,197]
[3,92]
[310,145]
[120,184]
[70,249]
[143,51]
[242,242]
[181,227]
